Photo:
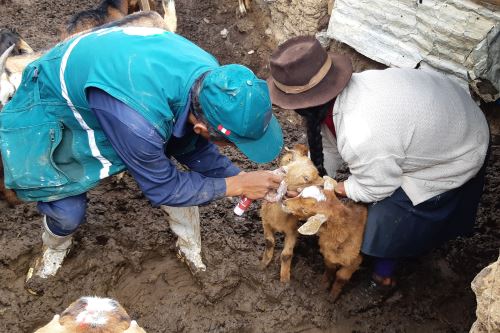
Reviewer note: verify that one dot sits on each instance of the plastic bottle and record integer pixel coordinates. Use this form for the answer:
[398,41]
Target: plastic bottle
[242,206]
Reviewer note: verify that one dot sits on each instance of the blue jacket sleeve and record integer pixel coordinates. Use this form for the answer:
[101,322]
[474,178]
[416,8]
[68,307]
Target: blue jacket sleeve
[141,148]
[207,160]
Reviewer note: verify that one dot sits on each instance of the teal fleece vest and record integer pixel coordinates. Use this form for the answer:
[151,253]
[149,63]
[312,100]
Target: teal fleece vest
[52,145]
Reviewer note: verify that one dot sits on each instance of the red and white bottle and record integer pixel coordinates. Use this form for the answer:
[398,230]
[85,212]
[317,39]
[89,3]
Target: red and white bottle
[242,205]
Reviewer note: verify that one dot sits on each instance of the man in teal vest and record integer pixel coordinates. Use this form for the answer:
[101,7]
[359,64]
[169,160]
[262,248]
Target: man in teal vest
[131,98]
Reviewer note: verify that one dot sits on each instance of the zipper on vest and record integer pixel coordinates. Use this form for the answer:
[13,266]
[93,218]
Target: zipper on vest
[52,135]
[35,74]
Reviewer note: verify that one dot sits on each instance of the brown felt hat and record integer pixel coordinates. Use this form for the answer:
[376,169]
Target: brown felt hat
[303,74]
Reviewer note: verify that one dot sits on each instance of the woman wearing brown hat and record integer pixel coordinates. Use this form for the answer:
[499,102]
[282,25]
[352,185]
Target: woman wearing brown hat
[415,144]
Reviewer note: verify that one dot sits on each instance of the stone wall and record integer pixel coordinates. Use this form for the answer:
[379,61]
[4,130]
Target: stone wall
[297,17]
[486,286]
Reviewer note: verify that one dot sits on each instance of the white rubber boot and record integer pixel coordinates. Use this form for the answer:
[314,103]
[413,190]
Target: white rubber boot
[185,223]
[54,250]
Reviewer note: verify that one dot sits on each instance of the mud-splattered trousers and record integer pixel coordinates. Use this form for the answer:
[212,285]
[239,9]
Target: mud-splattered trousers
[146,156]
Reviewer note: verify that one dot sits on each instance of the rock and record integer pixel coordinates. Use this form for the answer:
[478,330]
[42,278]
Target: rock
[292,18]
[245,25]
[206,20]
[486,286]
[323,39]
[251,52]
[224,33]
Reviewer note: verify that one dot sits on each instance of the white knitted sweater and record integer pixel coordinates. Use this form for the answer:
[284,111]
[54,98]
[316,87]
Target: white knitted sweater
[405,128]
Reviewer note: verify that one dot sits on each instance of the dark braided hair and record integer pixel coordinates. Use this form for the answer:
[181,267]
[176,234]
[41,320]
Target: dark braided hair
[314,116]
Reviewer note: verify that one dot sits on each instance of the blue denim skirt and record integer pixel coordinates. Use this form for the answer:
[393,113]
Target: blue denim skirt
[396,228]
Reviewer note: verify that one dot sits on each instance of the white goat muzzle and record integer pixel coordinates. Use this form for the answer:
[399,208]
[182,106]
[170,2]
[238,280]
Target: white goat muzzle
[7,86]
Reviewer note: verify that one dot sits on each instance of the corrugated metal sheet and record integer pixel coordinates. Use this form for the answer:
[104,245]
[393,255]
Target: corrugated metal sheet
[458,37]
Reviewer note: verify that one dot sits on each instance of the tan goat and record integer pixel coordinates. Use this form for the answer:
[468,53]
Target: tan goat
[340,227]
[92,315]
[300,172]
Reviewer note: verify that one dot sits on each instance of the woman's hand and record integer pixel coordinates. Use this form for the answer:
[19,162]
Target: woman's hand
[340,189]
[253,185]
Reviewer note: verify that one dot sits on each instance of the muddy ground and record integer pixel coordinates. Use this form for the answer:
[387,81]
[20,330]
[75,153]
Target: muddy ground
[126,249]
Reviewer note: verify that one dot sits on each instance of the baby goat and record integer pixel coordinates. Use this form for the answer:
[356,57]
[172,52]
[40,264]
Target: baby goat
[340,228]
[300,172]
[92,315]
[113,10]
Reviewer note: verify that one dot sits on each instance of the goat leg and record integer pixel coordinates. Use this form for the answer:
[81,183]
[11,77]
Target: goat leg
[11,198]
[248,5]
[343,275]
[287,254]
[270,241]
[329,275]
[9,195]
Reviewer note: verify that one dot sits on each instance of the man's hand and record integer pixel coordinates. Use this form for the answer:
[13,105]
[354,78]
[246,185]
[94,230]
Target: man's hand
[340,189]
[253,185]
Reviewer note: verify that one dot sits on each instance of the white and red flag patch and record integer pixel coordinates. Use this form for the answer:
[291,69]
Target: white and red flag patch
[223,130]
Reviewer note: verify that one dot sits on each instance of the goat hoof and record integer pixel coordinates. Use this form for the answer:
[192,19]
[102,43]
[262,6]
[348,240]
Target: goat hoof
[334,295]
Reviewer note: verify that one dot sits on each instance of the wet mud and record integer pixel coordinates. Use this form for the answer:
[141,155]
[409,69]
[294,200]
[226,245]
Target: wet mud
[125,250]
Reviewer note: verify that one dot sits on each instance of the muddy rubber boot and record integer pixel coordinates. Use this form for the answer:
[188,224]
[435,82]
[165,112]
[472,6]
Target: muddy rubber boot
[185,223]
[54,250]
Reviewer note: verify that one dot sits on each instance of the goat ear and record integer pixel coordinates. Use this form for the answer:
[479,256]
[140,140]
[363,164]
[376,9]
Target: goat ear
[313,224]
[329,183]
[52,327]
[134,328]
[301,149]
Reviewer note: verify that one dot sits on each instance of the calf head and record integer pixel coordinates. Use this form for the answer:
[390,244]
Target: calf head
[92,315]
[316,204]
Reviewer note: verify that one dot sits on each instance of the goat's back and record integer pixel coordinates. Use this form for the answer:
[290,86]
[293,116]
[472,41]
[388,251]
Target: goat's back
[341,237]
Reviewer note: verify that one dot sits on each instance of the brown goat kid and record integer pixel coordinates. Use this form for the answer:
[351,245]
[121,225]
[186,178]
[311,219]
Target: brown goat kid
[300,172]
[340,227]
